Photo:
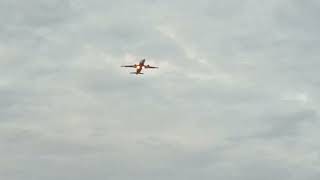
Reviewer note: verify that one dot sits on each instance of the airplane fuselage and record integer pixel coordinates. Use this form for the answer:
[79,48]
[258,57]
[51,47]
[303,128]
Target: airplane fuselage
[140,66]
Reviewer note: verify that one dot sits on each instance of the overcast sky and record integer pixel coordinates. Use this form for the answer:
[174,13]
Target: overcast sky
[236,96]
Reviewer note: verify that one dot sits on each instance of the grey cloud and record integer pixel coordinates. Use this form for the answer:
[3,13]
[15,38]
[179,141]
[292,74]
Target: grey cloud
[236,95]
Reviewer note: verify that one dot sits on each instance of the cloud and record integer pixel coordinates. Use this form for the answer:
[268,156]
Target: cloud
[235,97]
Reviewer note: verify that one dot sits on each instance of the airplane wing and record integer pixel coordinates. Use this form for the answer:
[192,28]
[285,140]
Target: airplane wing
[133,66]
[148,66]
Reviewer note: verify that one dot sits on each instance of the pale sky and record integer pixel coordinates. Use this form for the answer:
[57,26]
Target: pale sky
[236,96]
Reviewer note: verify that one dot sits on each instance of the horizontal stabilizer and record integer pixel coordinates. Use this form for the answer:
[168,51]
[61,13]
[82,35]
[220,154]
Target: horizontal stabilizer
[135,73]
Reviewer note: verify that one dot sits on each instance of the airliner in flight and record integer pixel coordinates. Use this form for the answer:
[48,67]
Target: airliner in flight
[139,67]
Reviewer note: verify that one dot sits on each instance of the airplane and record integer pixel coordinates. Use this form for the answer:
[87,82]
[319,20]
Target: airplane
[139,67]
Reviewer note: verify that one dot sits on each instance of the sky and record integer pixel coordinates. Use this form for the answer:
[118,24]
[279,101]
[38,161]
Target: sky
[236,96]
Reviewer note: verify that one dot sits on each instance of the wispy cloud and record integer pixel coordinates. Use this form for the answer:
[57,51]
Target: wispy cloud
[235,97]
